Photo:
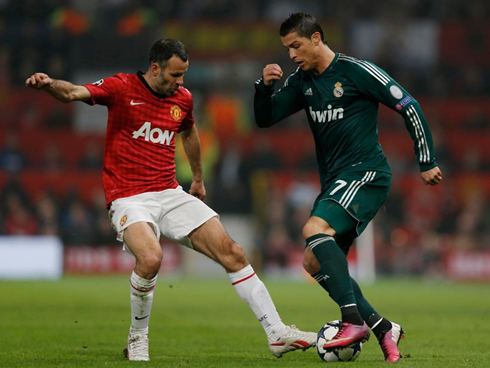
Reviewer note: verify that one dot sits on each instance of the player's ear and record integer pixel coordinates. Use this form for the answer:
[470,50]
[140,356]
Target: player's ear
[316,38]
[155,69]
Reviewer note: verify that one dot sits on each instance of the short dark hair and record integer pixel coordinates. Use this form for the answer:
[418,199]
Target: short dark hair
[303,24]
[164,49]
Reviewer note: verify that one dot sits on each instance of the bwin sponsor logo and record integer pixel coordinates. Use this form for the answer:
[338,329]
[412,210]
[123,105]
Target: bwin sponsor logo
[327,115]
[155,135]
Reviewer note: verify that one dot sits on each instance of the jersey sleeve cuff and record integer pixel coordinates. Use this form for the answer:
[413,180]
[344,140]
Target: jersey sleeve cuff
[425,167]
[91,101]
[261,87]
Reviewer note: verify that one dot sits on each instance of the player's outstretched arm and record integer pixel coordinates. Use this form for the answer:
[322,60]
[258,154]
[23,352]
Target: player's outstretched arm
[192,148]
[61,90]
[432,176]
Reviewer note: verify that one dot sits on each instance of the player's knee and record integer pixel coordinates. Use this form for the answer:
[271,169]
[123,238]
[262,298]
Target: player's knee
[310,264]
[310,229]
[151,261]
[233,258]
[313,227]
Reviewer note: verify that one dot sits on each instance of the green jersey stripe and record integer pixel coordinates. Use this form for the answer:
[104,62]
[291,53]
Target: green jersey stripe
[358,184]
[369,68]
[424,143]
[370,178]
[420,134]
[353,188]
[349,190]
[287,80]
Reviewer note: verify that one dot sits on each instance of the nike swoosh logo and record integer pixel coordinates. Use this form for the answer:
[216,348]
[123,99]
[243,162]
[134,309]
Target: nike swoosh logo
[139,319]
[132,103]
[342,339]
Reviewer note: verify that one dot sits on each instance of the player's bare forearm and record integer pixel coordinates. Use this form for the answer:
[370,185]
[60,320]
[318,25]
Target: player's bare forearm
[192,148]
[61,90]
[67,92]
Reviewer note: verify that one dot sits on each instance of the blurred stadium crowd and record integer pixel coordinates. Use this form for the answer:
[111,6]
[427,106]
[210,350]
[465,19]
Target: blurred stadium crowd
[50,162]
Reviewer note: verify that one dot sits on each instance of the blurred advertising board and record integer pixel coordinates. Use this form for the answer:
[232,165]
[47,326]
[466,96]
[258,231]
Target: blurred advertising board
[215,40]
[468,265]
[112,259]
[31,257]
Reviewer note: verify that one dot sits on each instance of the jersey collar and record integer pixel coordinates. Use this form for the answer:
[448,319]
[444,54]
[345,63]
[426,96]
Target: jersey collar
[325,72]
[143,80]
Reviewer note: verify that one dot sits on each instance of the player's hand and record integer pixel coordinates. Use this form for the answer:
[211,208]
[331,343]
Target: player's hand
[271,73]
[197,189]
[39,81]
[432,176]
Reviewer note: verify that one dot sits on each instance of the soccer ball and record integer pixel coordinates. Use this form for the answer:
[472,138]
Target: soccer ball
[338,355]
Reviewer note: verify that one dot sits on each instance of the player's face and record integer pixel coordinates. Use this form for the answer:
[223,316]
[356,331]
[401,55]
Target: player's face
[301,50]
[171,77]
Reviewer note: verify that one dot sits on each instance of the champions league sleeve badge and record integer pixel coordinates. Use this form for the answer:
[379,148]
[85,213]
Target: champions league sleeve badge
[338,90]
[396,92]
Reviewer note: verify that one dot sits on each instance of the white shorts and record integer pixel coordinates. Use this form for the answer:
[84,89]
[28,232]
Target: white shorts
[173,213]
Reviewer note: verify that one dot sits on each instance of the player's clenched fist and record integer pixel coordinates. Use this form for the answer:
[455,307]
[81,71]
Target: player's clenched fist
[432,176]
[271,73]
[38,81]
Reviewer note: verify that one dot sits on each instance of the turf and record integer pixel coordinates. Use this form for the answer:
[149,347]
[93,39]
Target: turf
[83,322]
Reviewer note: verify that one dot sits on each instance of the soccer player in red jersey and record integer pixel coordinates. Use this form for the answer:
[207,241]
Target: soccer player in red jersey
[146,111]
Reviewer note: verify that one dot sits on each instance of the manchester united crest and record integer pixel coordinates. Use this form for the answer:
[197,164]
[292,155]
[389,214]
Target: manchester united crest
[175,112]
[123,220]
[338,90]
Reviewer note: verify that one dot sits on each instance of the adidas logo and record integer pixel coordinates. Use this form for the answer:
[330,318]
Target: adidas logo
[309,92]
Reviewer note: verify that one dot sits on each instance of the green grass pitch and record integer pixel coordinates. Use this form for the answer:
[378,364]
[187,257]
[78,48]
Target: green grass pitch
[83,322]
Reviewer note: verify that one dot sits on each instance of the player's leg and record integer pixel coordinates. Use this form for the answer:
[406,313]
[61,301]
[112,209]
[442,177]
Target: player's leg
[374,320]
[388,333]
[141,239]
[336,206]
[192,223]
[321,247]
[133,220]
[143,243]
[212,240]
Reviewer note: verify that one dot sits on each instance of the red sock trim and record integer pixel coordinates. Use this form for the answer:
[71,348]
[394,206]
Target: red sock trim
[142,291]
[246,278]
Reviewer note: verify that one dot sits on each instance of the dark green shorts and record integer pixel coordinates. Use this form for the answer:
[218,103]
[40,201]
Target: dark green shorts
[351,201]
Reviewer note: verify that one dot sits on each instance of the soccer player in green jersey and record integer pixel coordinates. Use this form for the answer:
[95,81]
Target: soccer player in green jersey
[340,95]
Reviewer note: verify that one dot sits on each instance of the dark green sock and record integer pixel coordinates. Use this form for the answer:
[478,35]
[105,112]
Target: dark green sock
[334,268]
[365,309]
[378,324]
[375,321]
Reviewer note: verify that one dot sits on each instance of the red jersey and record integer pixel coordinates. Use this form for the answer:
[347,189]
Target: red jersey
[140,139]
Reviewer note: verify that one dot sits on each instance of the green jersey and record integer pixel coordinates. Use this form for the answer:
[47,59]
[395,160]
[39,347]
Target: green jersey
[341,105]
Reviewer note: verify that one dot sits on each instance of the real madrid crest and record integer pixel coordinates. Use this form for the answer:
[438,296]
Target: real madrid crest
[175,112]
[338,91]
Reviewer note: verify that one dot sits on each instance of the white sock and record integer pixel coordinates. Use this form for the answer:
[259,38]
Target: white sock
[141,293]
[253,292]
